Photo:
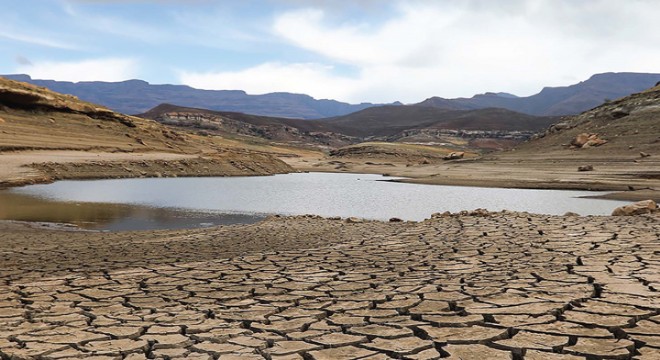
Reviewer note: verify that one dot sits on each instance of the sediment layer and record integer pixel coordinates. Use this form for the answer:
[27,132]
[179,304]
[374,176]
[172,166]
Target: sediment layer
[482,286]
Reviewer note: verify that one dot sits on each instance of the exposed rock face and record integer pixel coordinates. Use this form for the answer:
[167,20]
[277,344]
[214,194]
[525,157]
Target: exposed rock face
[300,132]
[585,140]
[638,208]
[454,156]
[25,96]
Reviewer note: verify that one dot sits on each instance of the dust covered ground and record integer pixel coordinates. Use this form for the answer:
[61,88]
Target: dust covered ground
[482,286]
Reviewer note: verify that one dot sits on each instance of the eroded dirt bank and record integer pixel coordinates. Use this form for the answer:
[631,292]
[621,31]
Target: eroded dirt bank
[487,286]
[29,167]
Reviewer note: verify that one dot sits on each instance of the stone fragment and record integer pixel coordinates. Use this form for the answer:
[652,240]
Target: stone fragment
[527,340]
[291,347]
[475,352]
[543,355]
[341,353]
[216,349]
[400,346]
[338,339]
[638,208]
[464,335]
[603,348]
[382,331]
[115,347]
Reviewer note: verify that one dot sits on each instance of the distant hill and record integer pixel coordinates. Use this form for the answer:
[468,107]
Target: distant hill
[411,123]
[552,101]
[390,120]
[292,131]
[137,96]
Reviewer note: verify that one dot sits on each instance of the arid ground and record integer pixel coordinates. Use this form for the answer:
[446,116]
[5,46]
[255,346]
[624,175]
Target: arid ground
[465,286]
[472,286]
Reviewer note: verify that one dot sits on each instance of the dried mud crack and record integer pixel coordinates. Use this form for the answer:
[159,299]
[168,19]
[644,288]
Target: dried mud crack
[494,286]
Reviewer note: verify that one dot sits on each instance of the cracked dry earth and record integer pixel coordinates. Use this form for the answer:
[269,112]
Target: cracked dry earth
[497,286]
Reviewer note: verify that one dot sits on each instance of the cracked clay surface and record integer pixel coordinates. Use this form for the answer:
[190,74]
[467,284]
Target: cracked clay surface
[484,286]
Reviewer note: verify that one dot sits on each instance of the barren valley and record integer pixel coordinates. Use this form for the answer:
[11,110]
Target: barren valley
[468,285]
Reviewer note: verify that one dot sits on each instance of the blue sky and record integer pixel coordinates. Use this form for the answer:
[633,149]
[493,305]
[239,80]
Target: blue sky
[360,50]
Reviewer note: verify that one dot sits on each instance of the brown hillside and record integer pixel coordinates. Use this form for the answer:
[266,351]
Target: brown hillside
[37,118]
[392,120]
[45,136]
[297,132]
[631,126]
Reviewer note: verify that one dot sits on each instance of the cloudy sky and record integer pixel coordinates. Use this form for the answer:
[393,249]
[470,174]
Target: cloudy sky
[358,50]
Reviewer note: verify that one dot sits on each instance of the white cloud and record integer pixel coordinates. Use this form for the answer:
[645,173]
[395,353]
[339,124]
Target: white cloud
[36,40]
[455,48]
[114,25]
[275,77]
[109,69]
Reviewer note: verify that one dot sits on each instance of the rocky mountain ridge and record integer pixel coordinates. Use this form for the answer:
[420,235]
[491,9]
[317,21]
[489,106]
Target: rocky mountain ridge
[137,96]
[554,101]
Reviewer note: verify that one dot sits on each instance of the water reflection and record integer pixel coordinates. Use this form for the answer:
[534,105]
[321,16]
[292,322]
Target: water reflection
[112,217]
[148,203]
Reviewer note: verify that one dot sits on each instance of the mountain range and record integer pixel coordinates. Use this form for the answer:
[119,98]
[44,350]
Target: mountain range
[137,96]
[553,101]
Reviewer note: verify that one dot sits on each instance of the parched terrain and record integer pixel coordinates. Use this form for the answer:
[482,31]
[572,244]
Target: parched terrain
[481,286]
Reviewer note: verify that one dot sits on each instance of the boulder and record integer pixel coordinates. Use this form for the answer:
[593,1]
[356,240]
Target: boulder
[585,140]
[354,220]
[559,127]
[580,140]
[586,168]
[620,112]
[643,154]
[638,208]
[454,156]
[2,121]
[395,219]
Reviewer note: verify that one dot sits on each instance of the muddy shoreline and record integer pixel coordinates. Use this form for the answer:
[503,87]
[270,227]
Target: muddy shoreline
[532,175]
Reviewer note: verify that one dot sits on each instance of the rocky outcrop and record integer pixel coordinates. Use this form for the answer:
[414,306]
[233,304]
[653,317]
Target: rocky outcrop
[14,94]
[293,131]
[638,208]
[454,156]
[585,140]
